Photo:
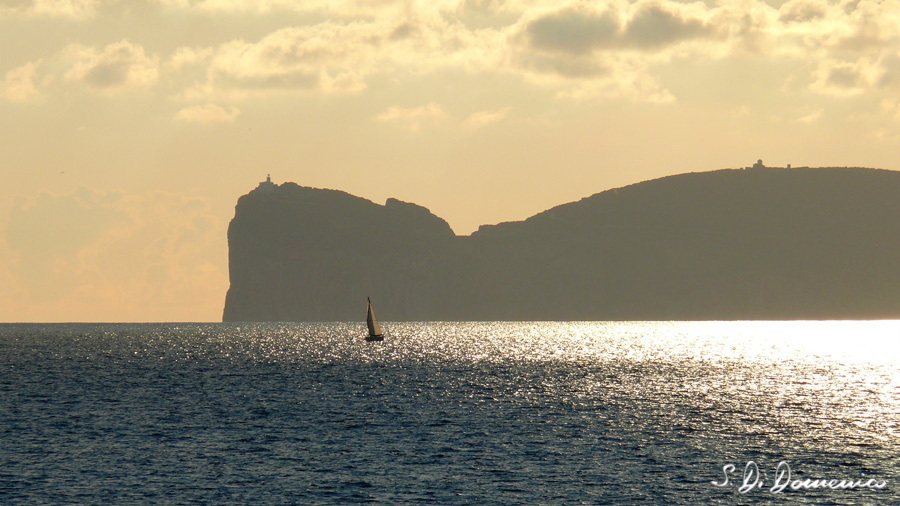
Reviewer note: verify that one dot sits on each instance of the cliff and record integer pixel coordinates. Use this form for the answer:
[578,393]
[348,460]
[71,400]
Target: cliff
[762,243]
[304,254]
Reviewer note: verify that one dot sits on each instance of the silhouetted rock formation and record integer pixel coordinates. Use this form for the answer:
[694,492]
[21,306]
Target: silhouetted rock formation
[765,243]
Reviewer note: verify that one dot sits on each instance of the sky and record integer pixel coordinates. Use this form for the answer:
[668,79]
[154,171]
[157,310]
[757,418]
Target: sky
[129,128]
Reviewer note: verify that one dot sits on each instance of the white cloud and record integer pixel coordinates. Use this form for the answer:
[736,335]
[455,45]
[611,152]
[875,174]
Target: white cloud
[822,29]
[187,56]
[843,78]
[328,8]
[116,67]
[612,50]
[484,118]
[873,25]
[578,52]
[413,117]
[327,57]
[76,9]
[208,113]
[813,116]
[19,82]
[341,56]
[803,11]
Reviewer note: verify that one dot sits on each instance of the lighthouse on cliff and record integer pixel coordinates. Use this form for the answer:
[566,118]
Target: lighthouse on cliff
[267,185]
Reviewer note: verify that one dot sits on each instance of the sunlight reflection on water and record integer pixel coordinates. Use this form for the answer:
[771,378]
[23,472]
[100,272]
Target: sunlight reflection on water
[841,377]
[458,413]
[843,342]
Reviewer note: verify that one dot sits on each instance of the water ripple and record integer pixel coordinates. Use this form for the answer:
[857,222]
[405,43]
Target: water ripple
[449,413]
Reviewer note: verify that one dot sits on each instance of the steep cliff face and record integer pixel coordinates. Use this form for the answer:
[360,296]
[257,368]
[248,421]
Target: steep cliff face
[730,244]
[304,254]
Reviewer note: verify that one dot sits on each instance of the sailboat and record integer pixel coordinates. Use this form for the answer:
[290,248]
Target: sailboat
[375,333]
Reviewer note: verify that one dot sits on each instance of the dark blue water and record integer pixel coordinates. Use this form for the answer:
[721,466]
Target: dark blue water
[590,413]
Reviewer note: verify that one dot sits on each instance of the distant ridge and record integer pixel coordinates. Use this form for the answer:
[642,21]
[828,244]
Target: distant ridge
[754,243]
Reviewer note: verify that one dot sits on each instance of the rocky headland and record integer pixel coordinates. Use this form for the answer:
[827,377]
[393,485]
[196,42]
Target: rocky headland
[754,243]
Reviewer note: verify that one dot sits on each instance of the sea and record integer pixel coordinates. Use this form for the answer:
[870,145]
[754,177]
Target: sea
[555,413]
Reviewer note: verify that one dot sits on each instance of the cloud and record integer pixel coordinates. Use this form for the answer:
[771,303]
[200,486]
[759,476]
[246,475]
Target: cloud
[414,117]
[802,11]
[612,50]
[607,75]
[608,51]
[890,70]
[657,25]
[116,67]
[851,27]
[813,116]
[573,30]
[77,9]
[327,57]
[150,256]
[833,77]
[484,118]
[328,8]
[186,57]
[209,113]
[19,82]
[341,55]
[580,30]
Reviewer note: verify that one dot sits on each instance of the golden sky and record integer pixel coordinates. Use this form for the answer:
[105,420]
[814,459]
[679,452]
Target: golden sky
[129,128]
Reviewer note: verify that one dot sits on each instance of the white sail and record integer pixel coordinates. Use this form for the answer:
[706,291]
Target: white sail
[374,328]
